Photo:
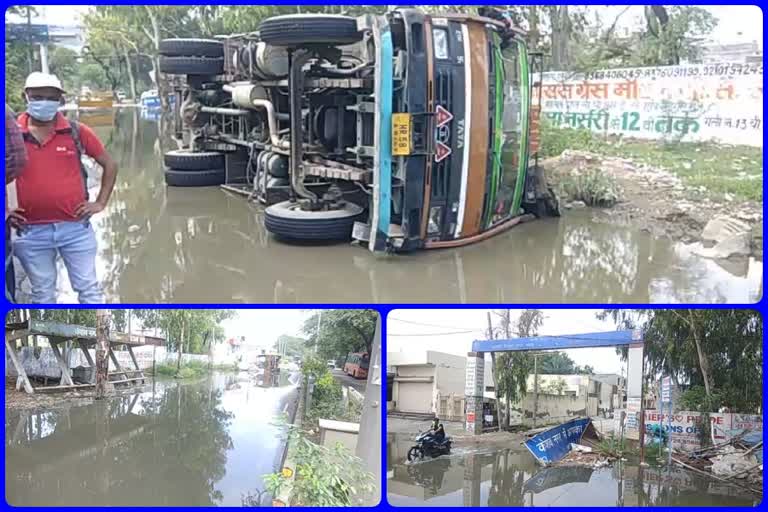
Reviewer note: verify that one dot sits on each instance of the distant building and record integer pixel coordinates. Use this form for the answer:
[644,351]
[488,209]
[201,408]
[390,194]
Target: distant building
[72,38]
[430,383]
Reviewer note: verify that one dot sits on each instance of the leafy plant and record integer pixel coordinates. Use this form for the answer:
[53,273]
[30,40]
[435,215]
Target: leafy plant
[613,446]
[324,477]
[312,366]
[593,187]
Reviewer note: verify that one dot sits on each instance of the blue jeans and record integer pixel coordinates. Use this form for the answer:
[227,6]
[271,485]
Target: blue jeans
[37,246]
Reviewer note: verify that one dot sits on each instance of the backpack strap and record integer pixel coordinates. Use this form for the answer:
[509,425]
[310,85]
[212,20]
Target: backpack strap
[74,127]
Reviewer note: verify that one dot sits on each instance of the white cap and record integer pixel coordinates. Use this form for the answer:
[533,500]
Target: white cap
[37,79]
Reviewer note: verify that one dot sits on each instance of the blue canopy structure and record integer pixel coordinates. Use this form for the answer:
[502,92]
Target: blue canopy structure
[595,339]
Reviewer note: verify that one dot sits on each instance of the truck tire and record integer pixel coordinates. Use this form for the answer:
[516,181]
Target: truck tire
[185,47]
[185,178]
[297,30]
[287,221]
[185,160]
[191,65]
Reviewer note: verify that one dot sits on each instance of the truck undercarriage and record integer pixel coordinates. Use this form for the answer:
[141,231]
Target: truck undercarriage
[340,126]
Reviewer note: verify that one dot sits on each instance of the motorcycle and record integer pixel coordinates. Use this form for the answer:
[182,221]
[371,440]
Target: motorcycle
[427,445]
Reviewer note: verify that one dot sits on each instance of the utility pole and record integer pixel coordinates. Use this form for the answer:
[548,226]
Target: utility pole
[369,440]
[494,376]
[319,320]
[102,350]
[30,51]
[535,387]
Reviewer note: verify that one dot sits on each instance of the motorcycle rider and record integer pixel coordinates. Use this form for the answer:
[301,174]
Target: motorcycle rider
[437,430]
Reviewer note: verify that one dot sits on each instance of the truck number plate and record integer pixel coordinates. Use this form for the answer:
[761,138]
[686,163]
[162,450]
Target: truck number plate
[401,134]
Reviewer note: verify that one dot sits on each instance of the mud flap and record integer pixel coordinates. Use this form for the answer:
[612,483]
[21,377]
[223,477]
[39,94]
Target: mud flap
[382,165]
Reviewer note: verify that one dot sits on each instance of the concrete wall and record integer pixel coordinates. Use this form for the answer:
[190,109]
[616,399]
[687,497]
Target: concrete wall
[552,409]
[329,439]
[449,372]
[333,432]
[42,363]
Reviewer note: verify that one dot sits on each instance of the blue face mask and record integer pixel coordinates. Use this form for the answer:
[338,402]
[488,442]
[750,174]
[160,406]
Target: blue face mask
[43,110]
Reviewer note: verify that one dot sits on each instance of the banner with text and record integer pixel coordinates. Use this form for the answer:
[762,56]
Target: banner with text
[698,102]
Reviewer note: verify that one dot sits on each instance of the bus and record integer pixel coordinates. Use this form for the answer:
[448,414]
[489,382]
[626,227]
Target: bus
[357,365]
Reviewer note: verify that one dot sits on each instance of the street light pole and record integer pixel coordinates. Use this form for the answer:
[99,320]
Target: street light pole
[369,440]
[319,320]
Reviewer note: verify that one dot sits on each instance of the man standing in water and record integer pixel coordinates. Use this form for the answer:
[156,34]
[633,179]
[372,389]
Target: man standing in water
[15,160]
[54,211]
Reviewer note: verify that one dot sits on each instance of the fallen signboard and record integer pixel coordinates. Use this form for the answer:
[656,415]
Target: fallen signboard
[554,444]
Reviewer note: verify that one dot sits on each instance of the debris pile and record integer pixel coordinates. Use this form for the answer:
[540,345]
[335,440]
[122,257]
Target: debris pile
[589,456]
[738,461]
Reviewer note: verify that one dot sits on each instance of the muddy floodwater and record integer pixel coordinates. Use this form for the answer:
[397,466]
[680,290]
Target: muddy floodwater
[510,477]
[202,443]
[159,244]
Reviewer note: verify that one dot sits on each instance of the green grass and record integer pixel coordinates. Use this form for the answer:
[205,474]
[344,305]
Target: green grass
[720,169]
[190,370]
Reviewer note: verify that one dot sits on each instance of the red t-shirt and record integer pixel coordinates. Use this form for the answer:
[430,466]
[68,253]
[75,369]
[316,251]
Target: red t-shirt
[52,185]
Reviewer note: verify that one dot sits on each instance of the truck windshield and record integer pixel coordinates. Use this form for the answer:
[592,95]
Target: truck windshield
[511,126]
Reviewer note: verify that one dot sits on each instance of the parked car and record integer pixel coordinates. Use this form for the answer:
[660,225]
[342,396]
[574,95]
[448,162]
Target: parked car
[402,131]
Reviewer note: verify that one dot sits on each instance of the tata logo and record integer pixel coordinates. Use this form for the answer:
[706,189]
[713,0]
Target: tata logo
[460,133]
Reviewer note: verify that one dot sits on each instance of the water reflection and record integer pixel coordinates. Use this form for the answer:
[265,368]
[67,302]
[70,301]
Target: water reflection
[202,444]
[510,478]
[161,244]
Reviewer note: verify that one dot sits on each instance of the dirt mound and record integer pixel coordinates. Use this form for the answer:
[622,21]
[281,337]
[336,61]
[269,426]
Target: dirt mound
[654,199]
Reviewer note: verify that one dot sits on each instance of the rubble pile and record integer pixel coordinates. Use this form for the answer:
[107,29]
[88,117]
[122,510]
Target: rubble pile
[738,461]
[581,455]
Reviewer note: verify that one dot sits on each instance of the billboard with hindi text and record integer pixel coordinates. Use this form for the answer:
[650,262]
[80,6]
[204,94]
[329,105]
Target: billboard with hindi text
[698,102]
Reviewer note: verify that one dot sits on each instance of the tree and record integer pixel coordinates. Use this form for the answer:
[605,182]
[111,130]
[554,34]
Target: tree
[62,62]
[672,33]
[671,36]
[513,368]
[337,332]
[555,387]
[190,330]
[290,346]
[556,363]
[719,350]
[102,349]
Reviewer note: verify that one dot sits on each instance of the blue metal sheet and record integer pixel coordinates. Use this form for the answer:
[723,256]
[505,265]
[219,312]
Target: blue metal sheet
[384,169]
[553,444]
[596,339]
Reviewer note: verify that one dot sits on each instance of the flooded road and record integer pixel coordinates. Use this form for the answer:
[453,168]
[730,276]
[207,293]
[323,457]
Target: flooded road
[159,244]
[203,443]
[511,478]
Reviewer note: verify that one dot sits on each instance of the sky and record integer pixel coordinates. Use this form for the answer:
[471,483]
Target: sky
[405,332]
[737,23]
[261,327]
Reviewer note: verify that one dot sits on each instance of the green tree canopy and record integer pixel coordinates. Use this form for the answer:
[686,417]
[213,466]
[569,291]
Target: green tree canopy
[201,327]
[719,350]
[337,332]
[290,346]
[513,368]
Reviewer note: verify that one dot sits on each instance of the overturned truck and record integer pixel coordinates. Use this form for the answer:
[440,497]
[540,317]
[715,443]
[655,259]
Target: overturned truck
[403,131]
